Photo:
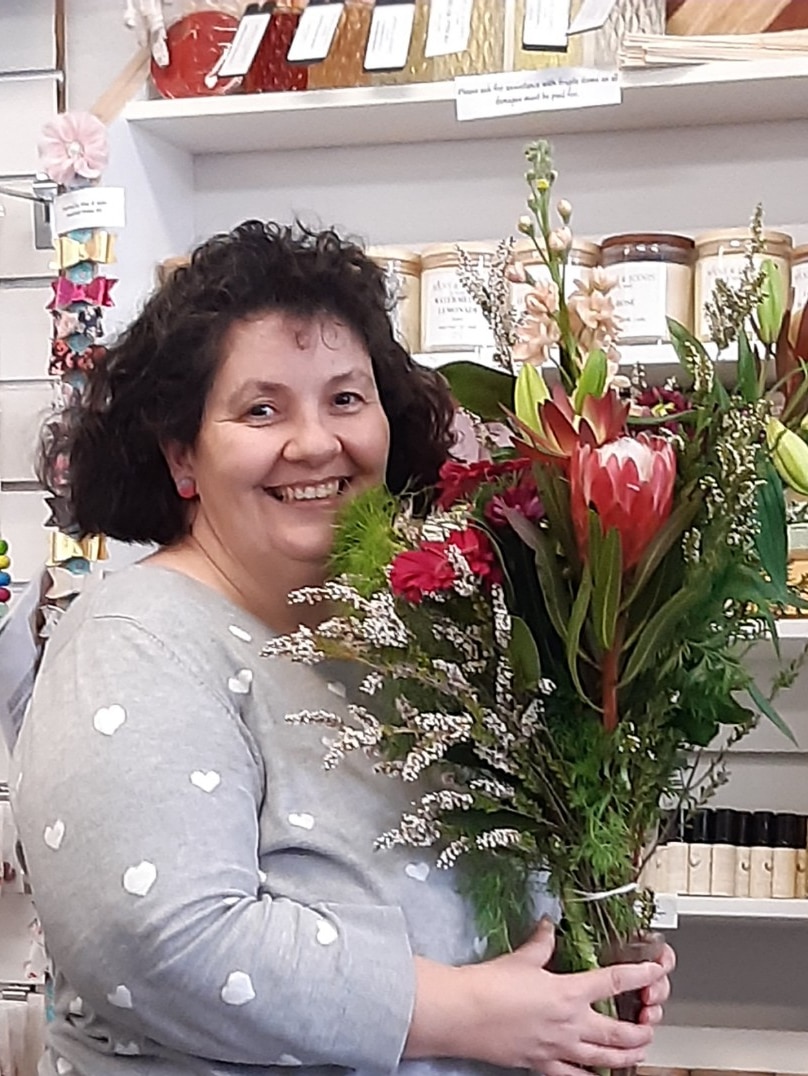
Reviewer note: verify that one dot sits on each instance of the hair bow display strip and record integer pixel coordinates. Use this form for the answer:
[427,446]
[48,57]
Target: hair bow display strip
[73,153]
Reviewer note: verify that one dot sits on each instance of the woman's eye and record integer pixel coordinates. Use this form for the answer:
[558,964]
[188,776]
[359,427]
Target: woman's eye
[348,399]
[261,410]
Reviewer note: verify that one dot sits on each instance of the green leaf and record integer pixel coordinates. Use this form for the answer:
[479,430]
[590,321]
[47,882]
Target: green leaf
[769,711]
[675,525]
[531,391]
[577,617]
[481,390]
[771,541]
[685,343]
[524,656]
[607,570]
[555,496]
[527,531]
[654,635]
[592,381]
[748,384]
[555,593]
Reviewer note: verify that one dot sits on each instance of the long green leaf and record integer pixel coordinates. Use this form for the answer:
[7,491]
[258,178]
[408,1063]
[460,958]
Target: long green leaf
[771,541]
[555,595]
[653,635]
[527,531]
[675,525]
[769,711]
[748,385]
[481,390]
[685,343]
[524,656]
[607,569]
[555,497]
[577,617]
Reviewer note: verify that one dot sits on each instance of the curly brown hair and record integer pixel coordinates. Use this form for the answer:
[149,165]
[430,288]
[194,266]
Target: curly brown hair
[152,388]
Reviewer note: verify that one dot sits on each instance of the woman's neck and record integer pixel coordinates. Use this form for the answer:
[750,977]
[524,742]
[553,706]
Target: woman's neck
[264,594]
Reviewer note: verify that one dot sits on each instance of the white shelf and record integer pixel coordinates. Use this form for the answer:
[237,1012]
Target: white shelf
[730,1049]
[793,628]
[738,907]
[690,96]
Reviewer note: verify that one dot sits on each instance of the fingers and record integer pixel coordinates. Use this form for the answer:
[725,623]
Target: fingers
[651,1015]
[668,960]
[605,1057]
[605,1031]
[657,993]
[606,983]
[562,1068]
[541,943]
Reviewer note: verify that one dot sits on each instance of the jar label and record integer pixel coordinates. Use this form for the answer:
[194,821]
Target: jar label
[546,25]
[315,33]
[390,35]
[799,281]
[452,320]
[449,27]
[640,300]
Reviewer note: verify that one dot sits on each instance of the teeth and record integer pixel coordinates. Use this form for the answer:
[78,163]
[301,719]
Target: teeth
[309,493]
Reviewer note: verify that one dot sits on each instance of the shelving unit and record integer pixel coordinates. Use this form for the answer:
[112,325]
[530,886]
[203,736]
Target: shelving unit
[663,160]
[689,96]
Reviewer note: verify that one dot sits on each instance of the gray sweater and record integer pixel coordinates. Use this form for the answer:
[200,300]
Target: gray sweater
[210,895]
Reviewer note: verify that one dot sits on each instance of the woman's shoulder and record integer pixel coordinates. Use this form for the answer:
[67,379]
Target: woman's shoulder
[185,617]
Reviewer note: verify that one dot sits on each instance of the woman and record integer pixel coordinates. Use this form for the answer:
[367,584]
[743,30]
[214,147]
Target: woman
[209,894]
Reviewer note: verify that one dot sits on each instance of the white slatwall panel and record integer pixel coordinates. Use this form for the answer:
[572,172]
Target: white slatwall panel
[25,327]
[26,35]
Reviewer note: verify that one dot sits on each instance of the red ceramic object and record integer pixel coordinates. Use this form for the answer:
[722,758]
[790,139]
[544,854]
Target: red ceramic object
[195,45]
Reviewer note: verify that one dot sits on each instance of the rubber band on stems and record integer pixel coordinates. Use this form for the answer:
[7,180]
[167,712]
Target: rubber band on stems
[588,898]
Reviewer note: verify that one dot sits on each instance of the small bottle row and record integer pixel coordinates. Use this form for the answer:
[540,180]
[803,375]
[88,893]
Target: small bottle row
[728,853]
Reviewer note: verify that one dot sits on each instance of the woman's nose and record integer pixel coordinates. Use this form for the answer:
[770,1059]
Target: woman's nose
[311,440]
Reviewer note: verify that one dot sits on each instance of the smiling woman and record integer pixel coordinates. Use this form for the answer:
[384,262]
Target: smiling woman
[237,919]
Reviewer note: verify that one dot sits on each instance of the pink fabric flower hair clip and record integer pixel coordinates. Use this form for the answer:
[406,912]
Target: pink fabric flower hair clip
[73,145]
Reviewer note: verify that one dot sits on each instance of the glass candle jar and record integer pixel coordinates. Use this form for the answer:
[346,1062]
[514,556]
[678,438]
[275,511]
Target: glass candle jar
[799,277]
[654,281]
[582,259]
[484,51]
[343,66]
[721,255]
[402,272]
[270,72]
[450,318]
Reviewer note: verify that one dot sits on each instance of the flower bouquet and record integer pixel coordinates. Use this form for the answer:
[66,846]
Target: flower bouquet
[553,644]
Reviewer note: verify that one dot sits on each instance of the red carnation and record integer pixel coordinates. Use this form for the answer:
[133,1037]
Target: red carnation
[458,480]
[427,571]
[523,499]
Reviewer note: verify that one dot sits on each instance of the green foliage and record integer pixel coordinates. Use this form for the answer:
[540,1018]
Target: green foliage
[487,393]
[364,541]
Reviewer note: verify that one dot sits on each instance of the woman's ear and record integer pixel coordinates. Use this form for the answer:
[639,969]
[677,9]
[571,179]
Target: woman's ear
[180,460]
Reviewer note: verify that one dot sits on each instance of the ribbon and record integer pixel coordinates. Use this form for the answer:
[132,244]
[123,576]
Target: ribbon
[100,247]
[85,321]
[64,359]
[96,292]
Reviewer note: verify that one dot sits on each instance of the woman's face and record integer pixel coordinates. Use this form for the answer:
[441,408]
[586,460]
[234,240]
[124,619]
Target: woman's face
[293,424]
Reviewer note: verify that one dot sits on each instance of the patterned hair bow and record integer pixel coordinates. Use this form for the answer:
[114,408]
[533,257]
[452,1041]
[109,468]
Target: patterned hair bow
[100,247]
[85,321]
[64,360]
[66,292]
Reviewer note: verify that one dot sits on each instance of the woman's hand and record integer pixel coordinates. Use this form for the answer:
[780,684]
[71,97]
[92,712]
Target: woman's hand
[655,996]
[514,1013]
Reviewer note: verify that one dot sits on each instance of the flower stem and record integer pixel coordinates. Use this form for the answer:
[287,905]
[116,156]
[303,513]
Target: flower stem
[609,696]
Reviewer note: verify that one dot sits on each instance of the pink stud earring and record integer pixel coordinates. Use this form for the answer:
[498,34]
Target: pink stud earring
[186,487]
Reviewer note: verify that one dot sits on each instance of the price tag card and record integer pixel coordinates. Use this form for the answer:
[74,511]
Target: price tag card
[449,27]
[546,25]
[89,207]
[517,92]
[315,32]
[591,16]
[390,35]
[238,59]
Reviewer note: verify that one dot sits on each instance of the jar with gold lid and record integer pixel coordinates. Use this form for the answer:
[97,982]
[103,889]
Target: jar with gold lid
[799,277]
[451,320]
[653,275]
[582,258]
[344,65]
[483,52]
[402,274]
[721,255]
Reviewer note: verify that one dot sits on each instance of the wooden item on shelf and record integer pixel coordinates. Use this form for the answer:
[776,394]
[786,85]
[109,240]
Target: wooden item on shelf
[735,16]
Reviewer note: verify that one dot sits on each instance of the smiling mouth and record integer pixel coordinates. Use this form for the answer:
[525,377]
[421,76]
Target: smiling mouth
[316,491]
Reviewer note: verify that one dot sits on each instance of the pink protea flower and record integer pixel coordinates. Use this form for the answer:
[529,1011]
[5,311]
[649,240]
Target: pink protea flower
[629,483]
[73,145]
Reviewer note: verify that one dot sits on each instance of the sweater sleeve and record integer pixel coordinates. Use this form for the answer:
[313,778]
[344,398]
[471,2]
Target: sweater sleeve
[143,856]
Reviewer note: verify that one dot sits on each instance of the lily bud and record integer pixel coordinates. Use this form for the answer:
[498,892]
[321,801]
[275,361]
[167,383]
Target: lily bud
[771,307]
[789,454]
[592,381]
[564,210]
[525,225]
[530,392]
[560,240]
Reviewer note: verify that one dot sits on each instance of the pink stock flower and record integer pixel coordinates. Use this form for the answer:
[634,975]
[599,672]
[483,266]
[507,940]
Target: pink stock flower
[73,144]
[629,483]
